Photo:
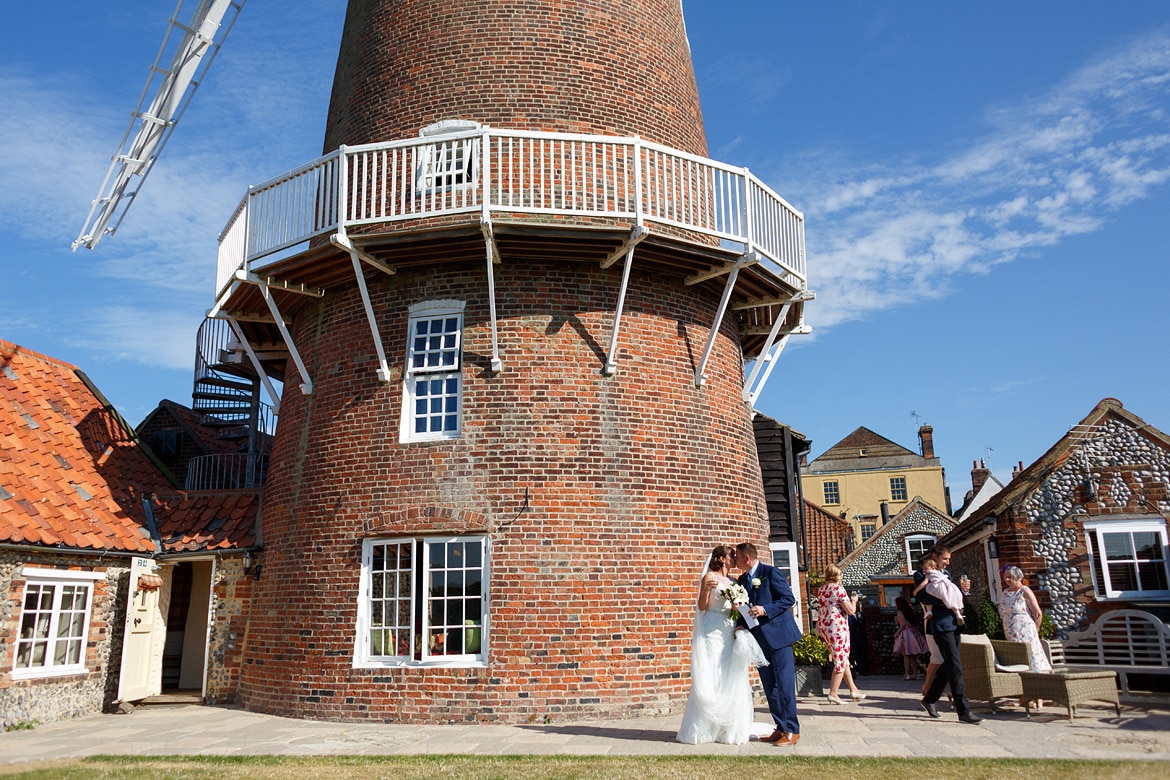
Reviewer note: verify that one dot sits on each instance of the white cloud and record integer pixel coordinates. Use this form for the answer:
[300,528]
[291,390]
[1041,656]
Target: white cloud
[893,233]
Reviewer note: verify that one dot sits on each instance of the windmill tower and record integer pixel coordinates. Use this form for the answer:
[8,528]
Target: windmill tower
[511,307]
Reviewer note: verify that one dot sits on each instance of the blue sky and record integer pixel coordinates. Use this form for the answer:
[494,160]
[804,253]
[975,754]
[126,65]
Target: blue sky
[986,190]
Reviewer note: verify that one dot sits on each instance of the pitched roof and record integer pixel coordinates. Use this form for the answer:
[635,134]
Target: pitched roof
[193,423]
[883,553]
[221,520]
[864,450]
[1027,480]
[71,471]
[828,538]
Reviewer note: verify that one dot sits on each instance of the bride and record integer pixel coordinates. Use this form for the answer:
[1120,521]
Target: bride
[720,705]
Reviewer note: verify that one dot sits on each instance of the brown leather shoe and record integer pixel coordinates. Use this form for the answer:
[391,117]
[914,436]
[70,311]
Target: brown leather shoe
[775,735]
[788,740]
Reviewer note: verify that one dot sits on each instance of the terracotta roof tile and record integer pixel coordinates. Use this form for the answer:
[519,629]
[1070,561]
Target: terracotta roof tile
[190,522]
[49,411]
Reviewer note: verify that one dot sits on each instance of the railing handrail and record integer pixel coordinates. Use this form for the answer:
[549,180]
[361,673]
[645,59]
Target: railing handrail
[574,174]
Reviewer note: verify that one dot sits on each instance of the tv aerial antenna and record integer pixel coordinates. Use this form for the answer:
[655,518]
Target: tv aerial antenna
[189,48]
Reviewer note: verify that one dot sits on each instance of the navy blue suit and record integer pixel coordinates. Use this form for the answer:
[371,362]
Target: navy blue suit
[776,633]
[945,630]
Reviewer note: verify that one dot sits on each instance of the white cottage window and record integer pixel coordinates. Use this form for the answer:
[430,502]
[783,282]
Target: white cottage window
[917,546]
[423,601]
[432,403]
[1129,558]
[54,623]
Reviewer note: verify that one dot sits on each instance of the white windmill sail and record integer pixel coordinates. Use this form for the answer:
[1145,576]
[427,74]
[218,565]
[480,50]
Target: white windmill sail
[190,49]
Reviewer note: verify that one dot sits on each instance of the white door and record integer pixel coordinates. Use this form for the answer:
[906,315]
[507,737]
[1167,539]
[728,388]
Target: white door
[144,628]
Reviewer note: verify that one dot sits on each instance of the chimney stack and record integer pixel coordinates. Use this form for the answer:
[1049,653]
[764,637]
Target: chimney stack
[926,440]
[1017,469]
[979,474]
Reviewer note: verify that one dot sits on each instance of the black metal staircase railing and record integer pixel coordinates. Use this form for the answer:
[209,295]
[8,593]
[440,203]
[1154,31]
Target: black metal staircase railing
[226,394]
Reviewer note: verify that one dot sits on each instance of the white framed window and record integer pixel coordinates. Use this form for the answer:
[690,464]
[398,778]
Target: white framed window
[867,530]
[432,403]
[449,163]
[832,492]
[54,623]
[917,546]
[784,559]
[423,602]
[898,489]
[1129,558]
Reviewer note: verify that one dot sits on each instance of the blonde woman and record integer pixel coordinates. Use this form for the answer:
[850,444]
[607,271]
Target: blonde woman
[833,626]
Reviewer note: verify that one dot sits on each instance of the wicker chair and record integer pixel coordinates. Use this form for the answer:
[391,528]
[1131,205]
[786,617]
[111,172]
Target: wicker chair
[982,680]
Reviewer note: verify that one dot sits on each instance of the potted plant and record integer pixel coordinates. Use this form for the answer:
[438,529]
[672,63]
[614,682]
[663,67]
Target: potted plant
[810,653]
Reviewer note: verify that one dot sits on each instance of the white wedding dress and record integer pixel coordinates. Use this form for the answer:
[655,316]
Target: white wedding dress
[720,705]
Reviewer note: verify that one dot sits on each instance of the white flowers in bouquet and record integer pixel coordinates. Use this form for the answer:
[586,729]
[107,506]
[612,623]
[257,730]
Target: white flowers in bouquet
[737,595]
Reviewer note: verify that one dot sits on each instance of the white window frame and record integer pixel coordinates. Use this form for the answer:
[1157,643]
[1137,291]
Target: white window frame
[448,164]
[59,580]
[421,598]
[791,573]
[861,526]
[442,372]
[836,489]
[905,489]
[1102,583]
[911,560]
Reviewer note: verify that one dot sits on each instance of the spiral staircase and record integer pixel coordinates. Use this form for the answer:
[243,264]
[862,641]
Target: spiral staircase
[226,395]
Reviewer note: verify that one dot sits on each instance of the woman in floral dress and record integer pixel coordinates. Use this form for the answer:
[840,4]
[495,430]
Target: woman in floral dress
[1021,616]
[833,626]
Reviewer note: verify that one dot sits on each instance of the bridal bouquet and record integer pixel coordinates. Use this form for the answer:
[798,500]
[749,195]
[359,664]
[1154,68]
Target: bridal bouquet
[737,595]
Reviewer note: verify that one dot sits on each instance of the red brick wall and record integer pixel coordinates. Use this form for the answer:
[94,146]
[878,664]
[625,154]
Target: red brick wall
[590,66]
[631,480]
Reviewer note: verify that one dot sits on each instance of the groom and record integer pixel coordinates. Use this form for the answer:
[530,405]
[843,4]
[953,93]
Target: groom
[771,604]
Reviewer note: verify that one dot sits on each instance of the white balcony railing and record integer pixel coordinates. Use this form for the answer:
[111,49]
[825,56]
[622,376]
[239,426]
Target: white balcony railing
[509,171]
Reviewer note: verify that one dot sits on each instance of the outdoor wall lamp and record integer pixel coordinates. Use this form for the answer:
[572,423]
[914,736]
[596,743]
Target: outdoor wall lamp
[992,547]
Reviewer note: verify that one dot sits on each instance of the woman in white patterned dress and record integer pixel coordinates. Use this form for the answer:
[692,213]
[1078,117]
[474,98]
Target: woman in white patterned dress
[1021,616]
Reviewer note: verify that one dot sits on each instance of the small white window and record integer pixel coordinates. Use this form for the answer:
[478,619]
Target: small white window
[1129,558]
[784,559]
[432,403]
[917,546]
[868,530]
[423,601]
[898,489]
[54,623]
[446,164]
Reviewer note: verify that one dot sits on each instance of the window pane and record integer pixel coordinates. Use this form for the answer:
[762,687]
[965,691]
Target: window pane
[1153,575]
[1147,545]
[1123,576]
[455,584]
[378,585]
[1119,545]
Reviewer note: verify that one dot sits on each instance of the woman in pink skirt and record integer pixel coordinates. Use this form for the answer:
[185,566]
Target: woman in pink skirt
[908,640]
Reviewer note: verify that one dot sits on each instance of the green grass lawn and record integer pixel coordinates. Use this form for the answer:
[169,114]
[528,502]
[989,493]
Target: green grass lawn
[582,768]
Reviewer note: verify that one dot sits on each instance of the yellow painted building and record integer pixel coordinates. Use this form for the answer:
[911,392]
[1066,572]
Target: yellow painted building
[865,479]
